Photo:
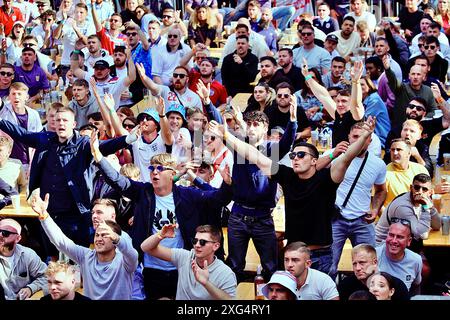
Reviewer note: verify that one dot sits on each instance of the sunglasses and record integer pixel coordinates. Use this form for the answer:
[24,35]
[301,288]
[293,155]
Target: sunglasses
[144,118]
[165,16]
[49,20]
[299,154]
[28,45]
[6,233]
[170,36]
[416,187]
[283,95]
[418,108]
[402,221]
[6,74]
[429,47]
[131,34]
[202,242]
[129,126]
[41,5]
[179,75]
[306,34]
[206,138]
[159,168]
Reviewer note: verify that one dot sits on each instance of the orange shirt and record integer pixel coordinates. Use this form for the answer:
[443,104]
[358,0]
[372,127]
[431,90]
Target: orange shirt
[8,19]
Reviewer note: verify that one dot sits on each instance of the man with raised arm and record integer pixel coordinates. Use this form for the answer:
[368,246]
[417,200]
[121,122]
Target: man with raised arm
[310,194]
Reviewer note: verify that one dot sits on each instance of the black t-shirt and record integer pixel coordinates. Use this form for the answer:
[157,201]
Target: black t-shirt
[78,297]
[431,128]
[351,284]
[278,118]
[342,126]
[309,205]
[295,76]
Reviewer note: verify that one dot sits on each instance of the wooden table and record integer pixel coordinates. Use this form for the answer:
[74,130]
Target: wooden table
[245,291]
[436,239]
[150,102]
[24,212]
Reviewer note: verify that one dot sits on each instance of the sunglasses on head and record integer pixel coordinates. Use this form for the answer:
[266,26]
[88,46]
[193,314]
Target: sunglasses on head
[6,74]
[165,16]
[299,154]
[418,108]
[6,233]
[416,187]
[172,36]
[159,168]
[202,242]
[129,126]
[131,34]
[283,95]
[179,75]
[402,221]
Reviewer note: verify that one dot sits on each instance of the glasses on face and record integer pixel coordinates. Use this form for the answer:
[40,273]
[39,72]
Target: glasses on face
[159,168]
[170,36]
[40,5]
[179,75]
[431,47]
[402,221]
[144,118]
[416,187]
[418,108]
[420,45]
[131,34]
[306,34]
[28,45]
[49,19]
[165,16]
[299,154]
[129,126]
[283,95]
[206,138]
[202,242]
[6,74]
[6,233]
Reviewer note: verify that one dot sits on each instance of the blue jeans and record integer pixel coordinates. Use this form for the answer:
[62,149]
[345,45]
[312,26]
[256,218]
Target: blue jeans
[262,232]
[322,259]
[358,231]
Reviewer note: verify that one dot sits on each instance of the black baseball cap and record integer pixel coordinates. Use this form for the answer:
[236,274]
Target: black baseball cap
[332,37]
[101,64]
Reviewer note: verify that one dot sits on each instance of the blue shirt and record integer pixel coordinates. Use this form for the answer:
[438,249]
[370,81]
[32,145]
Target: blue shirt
[374,106]
[140,55]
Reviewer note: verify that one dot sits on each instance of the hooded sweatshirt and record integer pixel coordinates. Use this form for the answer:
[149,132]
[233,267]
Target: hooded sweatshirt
[82,112]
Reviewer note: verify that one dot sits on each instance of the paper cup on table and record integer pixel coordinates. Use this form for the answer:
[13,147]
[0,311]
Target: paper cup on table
[437,201]
[16,202]
[446,157]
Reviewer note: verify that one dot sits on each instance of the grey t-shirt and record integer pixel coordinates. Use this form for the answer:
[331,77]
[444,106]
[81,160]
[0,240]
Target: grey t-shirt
[188,288]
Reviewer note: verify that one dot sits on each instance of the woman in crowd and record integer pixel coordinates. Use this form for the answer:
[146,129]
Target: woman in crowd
[263,96]
[202,27]
[381,285]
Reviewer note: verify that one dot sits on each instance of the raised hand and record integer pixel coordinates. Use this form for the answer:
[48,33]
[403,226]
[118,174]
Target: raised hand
[109,101]
[161,106]
[216,129]
[201,275]
[40,206]
[107,232]
[226,175]
[168,230]
[386,62]
[305,68]
[93,85]
[340,148]
[134,134]
[95,147]
[436,91]
[369,125]
[140,69]
[356,70]
[293,107]
[202,90]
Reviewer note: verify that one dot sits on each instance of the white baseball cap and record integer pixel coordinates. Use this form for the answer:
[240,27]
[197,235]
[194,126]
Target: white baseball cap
[284,278]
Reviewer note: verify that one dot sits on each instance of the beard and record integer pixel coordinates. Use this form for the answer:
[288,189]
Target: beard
[119,64]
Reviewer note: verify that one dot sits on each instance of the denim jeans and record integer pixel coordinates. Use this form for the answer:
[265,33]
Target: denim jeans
[358,231]
[322,259]
[262,232]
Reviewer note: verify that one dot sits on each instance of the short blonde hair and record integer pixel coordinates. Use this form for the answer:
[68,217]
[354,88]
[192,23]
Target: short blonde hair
[130,170]
[59,266]
[413,123]
[6,141]
[164,159]
[362,25]
[19,86]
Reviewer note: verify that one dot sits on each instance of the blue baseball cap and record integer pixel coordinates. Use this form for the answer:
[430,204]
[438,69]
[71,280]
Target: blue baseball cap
[151,112]
[176,107]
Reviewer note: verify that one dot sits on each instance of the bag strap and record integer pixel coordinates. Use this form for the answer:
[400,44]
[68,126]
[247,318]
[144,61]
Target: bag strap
[356,180]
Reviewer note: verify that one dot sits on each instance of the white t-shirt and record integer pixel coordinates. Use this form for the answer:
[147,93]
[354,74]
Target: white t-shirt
[114,86]
[179,152]
[164,214]
[189,99]
[28,10]
[143,152]
[70,37]
[89,60]
[317,286]
[39,33]
[164,62]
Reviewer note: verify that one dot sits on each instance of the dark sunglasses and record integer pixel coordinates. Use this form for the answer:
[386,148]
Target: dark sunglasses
[429,47]
[6,233]
[418,108]
[28,45]
[299,154]
[144,118]
[172,36]
[165,16]
[283,95]
[179,75]
[159,168]
[402,221]
[41,5]
[420,45]
[49,19]
[129,126]
[416,187]
[129,34]
[6,74]
[202,242]
[306,34]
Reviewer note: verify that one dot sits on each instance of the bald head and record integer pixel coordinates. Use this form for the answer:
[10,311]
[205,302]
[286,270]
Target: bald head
[415,69]
[10,225]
